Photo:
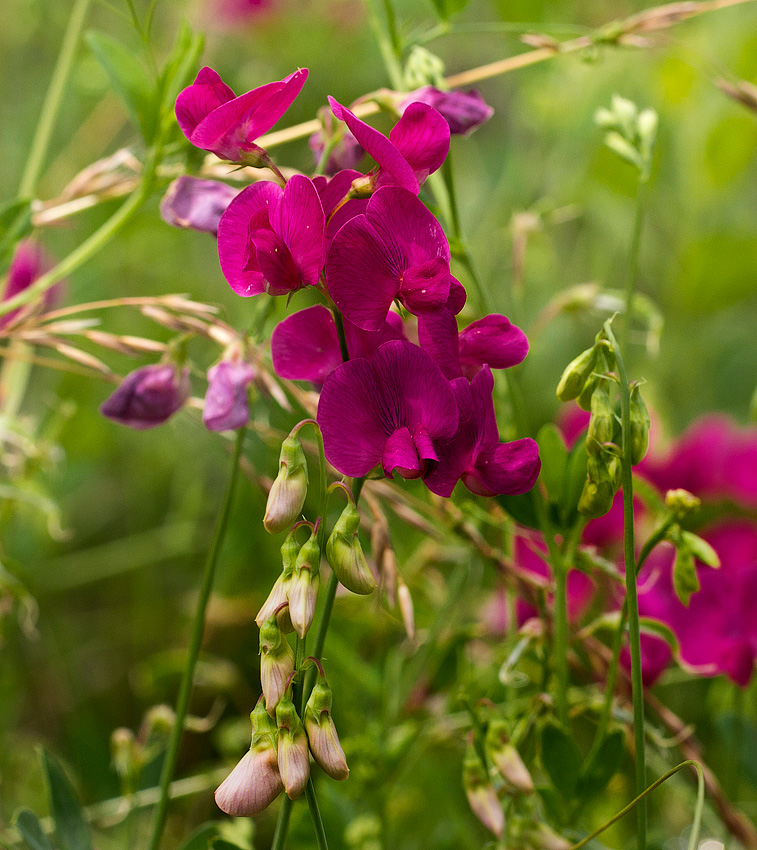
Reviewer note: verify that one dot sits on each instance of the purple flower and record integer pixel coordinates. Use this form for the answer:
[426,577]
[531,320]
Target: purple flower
[397,249]
[475,454]
[272,239]
[196,204]
[417,145]
[389,410]
[464,111]
[29,262]
[226,404]
[213,119]
[148,396]
[305,345]
[332,193]
[492,341]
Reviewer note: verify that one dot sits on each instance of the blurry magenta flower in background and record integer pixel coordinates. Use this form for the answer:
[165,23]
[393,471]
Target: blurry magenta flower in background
[148,396]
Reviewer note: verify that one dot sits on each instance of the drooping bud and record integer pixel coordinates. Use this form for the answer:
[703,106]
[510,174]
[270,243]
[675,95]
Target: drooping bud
[293,752]
[481,795]
[602,422]
[584,397]
[290,488]
[148,396]
[303,589]
[345,554]
[126,754]
[255,782]
[600,487]
[276,663]
[576,374]
[226,403]
[506,758]
[640,422]
[280,591]
[321,732]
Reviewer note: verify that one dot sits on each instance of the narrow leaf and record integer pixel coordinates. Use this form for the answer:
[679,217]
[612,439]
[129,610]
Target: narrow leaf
[554,460]
[560,758]
[70,827]
[596,775]
[27,823]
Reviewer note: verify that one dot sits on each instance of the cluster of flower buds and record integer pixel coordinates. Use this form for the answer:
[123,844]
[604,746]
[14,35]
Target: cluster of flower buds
[279,755]
[630,134]
[506,758]
[481,794]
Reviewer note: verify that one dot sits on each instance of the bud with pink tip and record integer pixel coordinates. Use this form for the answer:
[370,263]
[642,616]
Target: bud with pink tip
[255,782]
[294,755]
[276,663]
[481,795]
[287,496]
[321,732]
[303,590]
[345,554]
[506,758]
[279,594]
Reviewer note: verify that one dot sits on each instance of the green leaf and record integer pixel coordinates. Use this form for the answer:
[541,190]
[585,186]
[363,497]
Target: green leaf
[15,224]
[27,823]
[597,774]
[573,483]
[521,509]
[554,460]
[560,758]
[685,578]
[70,827]
[660,630]
[201,838]
[447,8]
[129,79]
[700,549]
[180,66]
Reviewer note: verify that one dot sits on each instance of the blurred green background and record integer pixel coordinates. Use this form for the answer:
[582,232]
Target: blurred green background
[136,509]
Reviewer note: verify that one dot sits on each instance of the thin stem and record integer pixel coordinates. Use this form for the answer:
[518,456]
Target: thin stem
[195,642]
[282,824]
[53,98]
[633,263]
[315,814]
[560,606]
[384,40]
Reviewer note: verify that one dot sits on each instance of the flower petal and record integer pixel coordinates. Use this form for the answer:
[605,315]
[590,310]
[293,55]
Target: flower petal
[425,286]
[437,334]
[422,138]
[300,222]
[197,101]
[510,468]
[196,204]
[400,454]
[492,340]
[305,346]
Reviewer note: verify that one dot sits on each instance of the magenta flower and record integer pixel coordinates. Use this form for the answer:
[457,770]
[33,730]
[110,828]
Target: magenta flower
[391,410]
[345,151]
[272,239]
[332,192]
[227,406]
[475,454]
[196,204]
[464,111]
[148,396]
[213,119]
[29,262]
[397,249]
[305,345]
[417,145]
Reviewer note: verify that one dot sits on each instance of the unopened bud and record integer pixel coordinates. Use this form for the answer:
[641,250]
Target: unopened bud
[640,422]
[481,795]
[255,782]
[290,488]
[303,590]
[584,397]
[576,374]
[506,758]
[293,753]
[276,663]
[321,732]
[406,608]
[280,591]
[685,578]
[542,837]
[602,422]
[681,501]
[345,554]
[125,753]
[600,487]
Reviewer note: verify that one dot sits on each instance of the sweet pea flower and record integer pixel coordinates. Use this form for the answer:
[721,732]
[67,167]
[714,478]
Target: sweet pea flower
[396,249]
[226,404]
[213,119]
[305,345]
[474,452]
[464,111]
[417,145]
[332,192]
[196,204]
[148,396]
[272,239]
[29,262]
[391,410]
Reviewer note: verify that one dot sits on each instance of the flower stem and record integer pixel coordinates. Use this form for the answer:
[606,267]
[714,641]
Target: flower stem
[633,262]
[53,98]
[195,642]
[315,814]
[386,45]
[560,613]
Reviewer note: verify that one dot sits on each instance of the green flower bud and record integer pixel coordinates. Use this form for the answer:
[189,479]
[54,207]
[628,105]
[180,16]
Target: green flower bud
[279,594]
[303,590]
[290,488]
[481,795]
[639,426]
[584,397]
[602,422]
[423,68]
[293,752]
[321,732]
[506,758]
[276,663]
[600,487]
[681,502]
[345,554]
[576,374]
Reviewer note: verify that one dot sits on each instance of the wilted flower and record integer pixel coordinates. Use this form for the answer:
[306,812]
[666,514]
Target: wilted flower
[213,119]
[226,404]
[272,239]
[464,111]
[321,732]
[148,396]
[196,204]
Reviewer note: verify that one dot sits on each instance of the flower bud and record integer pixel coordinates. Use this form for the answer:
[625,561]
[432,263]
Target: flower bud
[293,752]
[276,663]
[423,68]
[226,404]
[255,782]
[345,554]
[602,481]
[464,111]
[506,758]
[321,732]
[542,837]
[481,795]
[290,488]
[280,591]
[576,374]
[584,397]
[303,590]
[602,422]
[681,501]
[147,397]
[640,422]
[126,754]
[196,204]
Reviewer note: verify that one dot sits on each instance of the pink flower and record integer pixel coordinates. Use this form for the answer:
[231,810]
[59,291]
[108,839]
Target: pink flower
[226,404]
[29,263]
[196,204]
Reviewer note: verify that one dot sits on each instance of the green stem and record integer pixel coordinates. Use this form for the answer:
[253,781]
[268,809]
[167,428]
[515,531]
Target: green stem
[560,606]
[282,824]
[633,263]
[384,39]
[195,642]
[53,98]
[634,631]
[315,814]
